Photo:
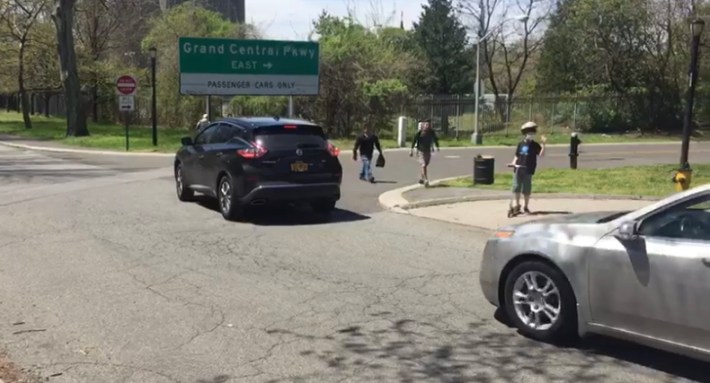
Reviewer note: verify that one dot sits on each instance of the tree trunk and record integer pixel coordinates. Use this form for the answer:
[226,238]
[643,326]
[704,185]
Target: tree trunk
[95,101]
[24,98]
[63,18]
[47,97]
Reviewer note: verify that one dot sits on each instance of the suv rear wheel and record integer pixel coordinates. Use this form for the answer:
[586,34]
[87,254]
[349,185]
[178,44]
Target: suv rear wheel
[323,206]
[230,207]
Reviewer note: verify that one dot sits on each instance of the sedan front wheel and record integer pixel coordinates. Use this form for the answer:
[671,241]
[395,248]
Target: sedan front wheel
[540,302]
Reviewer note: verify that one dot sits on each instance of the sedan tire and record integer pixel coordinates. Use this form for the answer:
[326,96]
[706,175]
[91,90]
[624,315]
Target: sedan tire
[540,302]
[229,205]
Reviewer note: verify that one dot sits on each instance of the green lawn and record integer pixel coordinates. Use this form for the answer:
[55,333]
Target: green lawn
[633,180]
[110,136]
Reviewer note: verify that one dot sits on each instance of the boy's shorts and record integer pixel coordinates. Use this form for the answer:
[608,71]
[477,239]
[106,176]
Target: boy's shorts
[522,182]
[424,157]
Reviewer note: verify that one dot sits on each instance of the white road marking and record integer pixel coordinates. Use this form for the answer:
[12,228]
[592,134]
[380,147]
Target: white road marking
[452,156]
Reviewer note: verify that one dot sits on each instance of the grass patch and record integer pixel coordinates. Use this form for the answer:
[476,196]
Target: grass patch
[112,136]
[652,180]
[103,136]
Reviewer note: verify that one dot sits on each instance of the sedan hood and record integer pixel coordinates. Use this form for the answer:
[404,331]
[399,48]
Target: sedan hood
[580,218]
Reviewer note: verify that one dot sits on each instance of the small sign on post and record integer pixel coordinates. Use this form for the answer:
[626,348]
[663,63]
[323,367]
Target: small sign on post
[126,103]
[126,87]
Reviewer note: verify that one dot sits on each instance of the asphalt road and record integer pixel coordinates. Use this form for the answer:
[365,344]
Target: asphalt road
[109,278]
[402,170]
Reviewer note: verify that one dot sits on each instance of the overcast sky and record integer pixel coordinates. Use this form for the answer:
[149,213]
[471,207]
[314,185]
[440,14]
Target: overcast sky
[293,19]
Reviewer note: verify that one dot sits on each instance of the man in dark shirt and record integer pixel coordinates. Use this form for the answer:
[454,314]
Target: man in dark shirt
[366,143]
[525,162]
[424,140]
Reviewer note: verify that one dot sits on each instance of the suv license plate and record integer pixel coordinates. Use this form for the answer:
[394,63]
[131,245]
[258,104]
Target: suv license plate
[299,167]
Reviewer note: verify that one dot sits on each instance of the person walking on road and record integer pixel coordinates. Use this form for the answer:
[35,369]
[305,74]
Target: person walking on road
[525,164]
[202,123]
[366,144]
[424,141]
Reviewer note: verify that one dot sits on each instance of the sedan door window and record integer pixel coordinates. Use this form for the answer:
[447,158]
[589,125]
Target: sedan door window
[687,221]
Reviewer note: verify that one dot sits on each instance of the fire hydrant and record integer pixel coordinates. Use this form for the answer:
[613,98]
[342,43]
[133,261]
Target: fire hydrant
[681,178]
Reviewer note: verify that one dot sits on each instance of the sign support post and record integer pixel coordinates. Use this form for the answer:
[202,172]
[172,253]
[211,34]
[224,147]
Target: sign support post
[126,87]
[290,106]
[125,118]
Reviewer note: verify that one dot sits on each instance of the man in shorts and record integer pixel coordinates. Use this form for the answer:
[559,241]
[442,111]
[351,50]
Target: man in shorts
[525,162]
[424,140]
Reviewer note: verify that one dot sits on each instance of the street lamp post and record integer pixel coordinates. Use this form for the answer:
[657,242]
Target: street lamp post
[477,137]
[683,175]
[153,102]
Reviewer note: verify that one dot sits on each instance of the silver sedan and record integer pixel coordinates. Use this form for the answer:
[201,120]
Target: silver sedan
[642,276]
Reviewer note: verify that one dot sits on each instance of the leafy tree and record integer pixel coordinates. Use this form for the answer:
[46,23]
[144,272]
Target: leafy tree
[363,76]
[20,17]
[613,48]
[184,20]
[63,17]
[443,40]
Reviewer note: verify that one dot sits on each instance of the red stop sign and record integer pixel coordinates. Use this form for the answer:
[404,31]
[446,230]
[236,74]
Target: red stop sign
[126,85]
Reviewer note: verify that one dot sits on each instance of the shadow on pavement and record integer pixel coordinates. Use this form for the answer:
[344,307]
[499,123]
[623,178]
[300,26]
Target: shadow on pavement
[658,360]
[550,212]
[413,351]
[385,182]
[216,379]
[286,215]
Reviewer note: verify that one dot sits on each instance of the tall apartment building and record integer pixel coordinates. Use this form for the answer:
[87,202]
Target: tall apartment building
[231,9]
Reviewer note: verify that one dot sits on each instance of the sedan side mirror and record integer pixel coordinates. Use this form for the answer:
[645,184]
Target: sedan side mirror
[186,141]
[628,231]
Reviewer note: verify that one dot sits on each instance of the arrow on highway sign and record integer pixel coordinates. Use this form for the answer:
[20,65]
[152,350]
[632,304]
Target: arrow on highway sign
[268,66]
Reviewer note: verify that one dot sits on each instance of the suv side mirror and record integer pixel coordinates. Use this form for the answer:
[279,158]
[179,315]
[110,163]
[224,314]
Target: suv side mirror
[186,141]
[628,231]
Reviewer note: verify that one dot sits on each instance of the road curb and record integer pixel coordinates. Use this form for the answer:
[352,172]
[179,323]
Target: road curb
[342,153]
[83,151]
[394,200]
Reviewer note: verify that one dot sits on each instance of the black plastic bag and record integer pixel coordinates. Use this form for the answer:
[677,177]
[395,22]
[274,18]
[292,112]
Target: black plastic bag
[380,162]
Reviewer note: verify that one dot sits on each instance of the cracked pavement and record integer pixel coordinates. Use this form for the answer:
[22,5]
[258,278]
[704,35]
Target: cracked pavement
[112,279]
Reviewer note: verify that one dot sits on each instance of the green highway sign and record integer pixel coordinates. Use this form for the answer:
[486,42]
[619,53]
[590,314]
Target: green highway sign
[226,67]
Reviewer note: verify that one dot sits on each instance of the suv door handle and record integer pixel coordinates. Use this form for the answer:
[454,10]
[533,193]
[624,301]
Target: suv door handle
[219,154]
[201,156]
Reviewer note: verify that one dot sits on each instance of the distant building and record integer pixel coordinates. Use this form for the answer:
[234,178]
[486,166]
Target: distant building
[234,10]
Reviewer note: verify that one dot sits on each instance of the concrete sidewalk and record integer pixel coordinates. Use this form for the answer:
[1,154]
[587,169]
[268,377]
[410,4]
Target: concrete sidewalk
[488,208]
[492,214]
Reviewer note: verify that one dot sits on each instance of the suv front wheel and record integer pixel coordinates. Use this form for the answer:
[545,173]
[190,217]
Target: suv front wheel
[184,192]
[229,205]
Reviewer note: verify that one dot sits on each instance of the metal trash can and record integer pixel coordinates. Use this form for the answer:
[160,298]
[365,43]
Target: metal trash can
[483,170]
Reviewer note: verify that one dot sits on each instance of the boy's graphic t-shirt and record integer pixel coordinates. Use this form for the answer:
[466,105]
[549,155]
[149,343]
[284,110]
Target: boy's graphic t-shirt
[527,152]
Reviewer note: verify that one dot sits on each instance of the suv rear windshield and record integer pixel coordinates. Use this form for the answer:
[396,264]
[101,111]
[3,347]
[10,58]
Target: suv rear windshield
[290,136]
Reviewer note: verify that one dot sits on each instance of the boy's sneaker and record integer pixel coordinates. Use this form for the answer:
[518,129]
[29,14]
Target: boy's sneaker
[526,210]
[421,181]
[372,180]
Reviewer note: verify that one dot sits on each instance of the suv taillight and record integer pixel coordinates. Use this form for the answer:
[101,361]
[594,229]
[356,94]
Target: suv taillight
[334,151]
[255,151]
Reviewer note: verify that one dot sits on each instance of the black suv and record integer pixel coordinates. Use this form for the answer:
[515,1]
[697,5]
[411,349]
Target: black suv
[255,161]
